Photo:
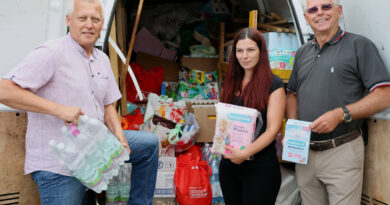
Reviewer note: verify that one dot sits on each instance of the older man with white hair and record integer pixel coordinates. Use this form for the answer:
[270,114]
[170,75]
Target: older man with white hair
[56,83]
[337,80]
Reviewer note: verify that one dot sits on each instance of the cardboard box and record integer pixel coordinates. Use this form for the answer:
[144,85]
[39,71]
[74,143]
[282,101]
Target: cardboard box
[168,54]
[296,141]
[206,117]
[164,201]
[164,185]
[204,64]
[171,69]
[146,42]
[167,164]
[165,172]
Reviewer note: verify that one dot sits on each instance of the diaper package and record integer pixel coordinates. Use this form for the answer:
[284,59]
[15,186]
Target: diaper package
[235,126]
[296,141]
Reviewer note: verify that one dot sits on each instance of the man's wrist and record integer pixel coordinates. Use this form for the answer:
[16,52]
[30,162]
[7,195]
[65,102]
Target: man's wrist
[57,110]
[347,117]
[340,114]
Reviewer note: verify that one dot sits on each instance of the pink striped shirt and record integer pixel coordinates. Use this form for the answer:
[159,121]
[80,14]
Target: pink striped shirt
[60,71]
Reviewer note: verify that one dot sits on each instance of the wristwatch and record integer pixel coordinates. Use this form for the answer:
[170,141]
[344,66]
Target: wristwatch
[347,115]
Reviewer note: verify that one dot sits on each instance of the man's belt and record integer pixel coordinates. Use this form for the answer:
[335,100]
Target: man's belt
[332,143]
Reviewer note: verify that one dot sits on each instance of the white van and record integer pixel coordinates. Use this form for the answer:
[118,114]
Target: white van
[24,24]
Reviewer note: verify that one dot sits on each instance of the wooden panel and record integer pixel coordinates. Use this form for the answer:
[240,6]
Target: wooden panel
[124,70]
[121,26]
[14,186]
[221,53]
[224,66]
[112,52]
[376,182]
[121,31]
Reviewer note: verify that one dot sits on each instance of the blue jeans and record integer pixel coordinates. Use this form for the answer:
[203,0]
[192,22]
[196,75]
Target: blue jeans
[57,189]
[144,160]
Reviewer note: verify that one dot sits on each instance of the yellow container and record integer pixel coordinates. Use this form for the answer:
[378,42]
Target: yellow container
[281,73]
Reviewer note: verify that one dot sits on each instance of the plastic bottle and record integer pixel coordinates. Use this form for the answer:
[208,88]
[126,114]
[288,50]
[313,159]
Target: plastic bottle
[104,138]
[108,143]
[206,153]
[93,157]
[92,153]
[214,180]
[77,165]
[112,193]
[124,183]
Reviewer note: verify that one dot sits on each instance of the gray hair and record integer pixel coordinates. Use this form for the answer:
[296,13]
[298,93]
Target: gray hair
[304,4]
[70,8]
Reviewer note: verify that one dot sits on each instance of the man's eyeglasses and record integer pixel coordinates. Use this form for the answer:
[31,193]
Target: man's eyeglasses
[324,7]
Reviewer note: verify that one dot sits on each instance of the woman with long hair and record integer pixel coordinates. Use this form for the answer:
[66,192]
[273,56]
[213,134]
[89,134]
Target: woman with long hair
[249,82]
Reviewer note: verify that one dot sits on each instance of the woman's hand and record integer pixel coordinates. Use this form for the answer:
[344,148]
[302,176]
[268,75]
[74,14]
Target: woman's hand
[237,156]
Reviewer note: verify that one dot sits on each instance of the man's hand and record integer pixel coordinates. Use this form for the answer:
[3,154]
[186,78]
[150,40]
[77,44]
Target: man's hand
[124,142]
[111,119]
[328,121]
[69,114]
[237,156]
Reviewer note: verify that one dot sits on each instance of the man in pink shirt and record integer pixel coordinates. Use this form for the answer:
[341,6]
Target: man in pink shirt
[61,80]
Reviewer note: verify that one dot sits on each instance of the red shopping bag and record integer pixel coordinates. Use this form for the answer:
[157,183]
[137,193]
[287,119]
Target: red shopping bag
[149,81]
[132,121]
[192,178]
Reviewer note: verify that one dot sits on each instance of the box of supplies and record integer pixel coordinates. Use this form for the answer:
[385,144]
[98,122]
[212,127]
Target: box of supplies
[296,141]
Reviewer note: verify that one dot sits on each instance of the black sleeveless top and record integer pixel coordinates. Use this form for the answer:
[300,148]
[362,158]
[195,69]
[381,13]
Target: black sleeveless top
[268,152]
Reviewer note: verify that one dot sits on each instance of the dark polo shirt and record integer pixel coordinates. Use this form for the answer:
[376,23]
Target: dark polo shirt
[340,73]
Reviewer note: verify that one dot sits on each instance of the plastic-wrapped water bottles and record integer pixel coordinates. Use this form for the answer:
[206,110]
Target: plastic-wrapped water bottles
[118,190]
[124,183]
[213,161]
[91,153]
[214,180]
[112,193]
[76,163]
[104,138]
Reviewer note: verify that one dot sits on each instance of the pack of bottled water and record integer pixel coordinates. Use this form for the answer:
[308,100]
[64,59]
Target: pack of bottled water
[91,152]
[214,179]
[213,161]
[118,191]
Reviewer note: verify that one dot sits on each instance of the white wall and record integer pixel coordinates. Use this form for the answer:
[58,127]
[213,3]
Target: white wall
[371,19]
[22,27]
[24,24]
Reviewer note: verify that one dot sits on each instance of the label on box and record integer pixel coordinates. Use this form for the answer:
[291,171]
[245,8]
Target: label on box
[296,141]
[167,164]
[164,185]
